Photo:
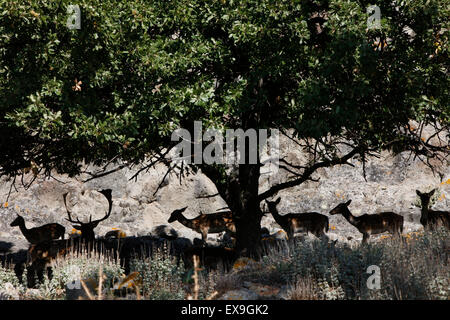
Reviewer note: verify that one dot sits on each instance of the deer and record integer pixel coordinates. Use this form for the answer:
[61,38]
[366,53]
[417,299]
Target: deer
[431,219]
[87,228]
[369,224]
[313,222]
[205,223]
[40,234]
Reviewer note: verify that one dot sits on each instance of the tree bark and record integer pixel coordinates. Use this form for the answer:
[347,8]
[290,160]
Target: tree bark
[246,210]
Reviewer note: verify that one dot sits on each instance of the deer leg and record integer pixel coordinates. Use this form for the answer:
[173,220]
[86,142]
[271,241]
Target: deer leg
[31,276]
[395,232]
[322,234]
[204,236]
[290,234]
[18,270]
[37,269]
[49,273]
[365,237]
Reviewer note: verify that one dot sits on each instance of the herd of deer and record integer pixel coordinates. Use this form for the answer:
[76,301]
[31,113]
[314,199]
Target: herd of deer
[44,246]
[317,223]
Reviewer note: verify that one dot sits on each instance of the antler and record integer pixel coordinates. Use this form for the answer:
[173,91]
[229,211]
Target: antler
[68,211]
[108,194]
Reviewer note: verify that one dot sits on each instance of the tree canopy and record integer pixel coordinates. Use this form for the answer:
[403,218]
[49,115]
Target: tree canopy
[135,71]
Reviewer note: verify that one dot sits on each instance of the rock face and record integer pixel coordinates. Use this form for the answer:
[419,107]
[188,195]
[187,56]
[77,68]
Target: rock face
[138,210]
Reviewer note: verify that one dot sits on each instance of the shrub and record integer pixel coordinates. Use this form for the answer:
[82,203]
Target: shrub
[161,276]
[8,276]
[10,287]
[80,266]
[411,268]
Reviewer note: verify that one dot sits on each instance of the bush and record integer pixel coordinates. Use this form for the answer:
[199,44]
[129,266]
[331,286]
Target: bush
[80,266]
[10,287]
[415,267]
[161,276]
[8,276]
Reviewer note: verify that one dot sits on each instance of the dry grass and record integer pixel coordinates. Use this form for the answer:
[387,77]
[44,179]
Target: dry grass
[304,289]
[414,268]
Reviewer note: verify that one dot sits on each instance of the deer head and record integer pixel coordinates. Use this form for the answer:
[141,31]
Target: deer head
[87,228]
[17,221]
[340,208]
[176,214]
[272,205]
[425,198]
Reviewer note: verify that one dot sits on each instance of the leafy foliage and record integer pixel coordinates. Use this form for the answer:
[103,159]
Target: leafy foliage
[118,87]
[146,68]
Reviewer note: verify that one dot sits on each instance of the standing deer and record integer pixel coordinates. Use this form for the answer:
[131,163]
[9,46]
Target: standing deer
[87,228]
[205,223]
[39,234]
[431,219]
[373,223]
[313,222]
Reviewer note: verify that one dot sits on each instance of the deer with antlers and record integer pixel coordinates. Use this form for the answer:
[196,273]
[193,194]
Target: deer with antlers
[205,223]
[40,234]
[43,253]
[369,224]
[87,228]
[313,222]
[431,219]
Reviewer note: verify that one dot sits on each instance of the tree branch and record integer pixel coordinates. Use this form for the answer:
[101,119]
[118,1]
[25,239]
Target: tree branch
[308,172]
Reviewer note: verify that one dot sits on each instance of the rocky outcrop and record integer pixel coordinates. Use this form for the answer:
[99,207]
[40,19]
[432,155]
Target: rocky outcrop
[141,209]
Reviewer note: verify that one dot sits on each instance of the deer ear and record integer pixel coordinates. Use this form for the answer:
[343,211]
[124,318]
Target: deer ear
[182,209]
[432,192]
[348,202]
[418,193]
[278,200]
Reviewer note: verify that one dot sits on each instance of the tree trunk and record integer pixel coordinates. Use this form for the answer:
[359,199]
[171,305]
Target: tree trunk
[246,210]
[240,190]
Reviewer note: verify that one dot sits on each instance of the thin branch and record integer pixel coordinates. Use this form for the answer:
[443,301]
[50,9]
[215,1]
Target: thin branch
[99,175]
[292,165]
[307,173]
[13,184]
[164,178]
[161,158]
[208,196]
